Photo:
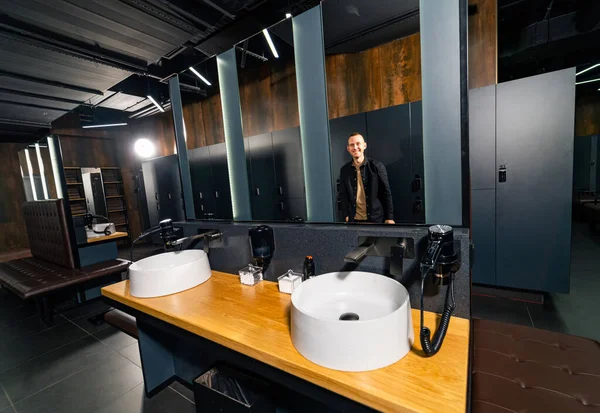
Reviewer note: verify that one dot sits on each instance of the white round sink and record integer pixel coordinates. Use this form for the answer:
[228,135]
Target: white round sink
[168,273]
[352,321]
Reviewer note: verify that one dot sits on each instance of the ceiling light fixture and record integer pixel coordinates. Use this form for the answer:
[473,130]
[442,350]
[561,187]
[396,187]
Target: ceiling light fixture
[144,148]
[588,81]
[589,68]
[202,78]
[106,125]
[271,45]
[156,103]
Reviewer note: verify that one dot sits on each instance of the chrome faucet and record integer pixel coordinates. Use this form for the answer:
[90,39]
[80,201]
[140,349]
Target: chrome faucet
[357,254]
[205,237]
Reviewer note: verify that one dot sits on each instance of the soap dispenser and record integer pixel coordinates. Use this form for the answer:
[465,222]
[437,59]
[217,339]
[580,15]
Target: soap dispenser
[262,242]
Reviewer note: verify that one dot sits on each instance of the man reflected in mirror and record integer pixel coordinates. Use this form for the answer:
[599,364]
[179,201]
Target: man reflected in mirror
[365,194]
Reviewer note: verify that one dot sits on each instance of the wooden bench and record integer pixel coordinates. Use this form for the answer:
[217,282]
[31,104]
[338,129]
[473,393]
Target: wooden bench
[52,266]
[524,369]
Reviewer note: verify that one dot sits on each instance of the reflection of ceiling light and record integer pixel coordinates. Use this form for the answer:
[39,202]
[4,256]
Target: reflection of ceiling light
[202,78]
[144,148]
[288,15]
[106,125]
[30,170]
[41,166]
[588,81]
[271,45]
[589,68]
[156,103]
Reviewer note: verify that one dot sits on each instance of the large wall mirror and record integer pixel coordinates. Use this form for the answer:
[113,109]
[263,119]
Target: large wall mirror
[373,81]
[373,64]
[270,124]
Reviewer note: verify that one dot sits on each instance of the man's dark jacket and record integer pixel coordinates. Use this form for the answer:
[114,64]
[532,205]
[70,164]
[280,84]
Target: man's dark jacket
[380,206]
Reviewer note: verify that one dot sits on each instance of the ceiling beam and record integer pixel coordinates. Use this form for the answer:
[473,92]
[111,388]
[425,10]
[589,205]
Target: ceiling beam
[37,96]
[50,83]
[17,122]
[31,105]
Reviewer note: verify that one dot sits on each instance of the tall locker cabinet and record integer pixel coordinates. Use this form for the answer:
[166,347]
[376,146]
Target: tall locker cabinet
[521,210]
[534,142]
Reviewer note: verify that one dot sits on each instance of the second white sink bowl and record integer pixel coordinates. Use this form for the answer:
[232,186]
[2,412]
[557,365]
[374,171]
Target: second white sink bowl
[168,273]
[352,321]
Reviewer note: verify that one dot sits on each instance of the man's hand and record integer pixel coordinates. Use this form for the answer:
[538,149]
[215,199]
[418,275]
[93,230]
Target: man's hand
[389,221]
[346,219]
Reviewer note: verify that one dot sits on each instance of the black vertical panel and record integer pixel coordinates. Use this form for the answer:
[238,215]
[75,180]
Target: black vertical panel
[339,131]
[263,194]
[287,152]
[482,140]
[169,188]
[221,188]
[202,181]
[389,142]
[483,232]
[418,168]
[151,191]
[534,141]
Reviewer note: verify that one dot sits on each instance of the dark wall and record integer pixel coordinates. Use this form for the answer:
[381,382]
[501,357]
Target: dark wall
[328,244]
[12,195]
[483,43]
[587,116]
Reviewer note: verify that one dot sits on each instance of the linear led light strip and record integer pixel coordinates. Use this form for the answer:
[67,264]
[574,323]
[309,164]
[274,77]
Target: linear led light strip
[31,180]
[271,45]
[587,81]
[106,125]
[155,103]
[194,71]
[589,68]
[42,174]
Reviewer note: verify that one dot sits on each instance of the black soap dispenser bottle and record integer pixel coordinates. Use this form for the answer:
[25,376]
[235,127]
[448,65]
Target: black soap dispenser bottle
[309,268]
[262,242]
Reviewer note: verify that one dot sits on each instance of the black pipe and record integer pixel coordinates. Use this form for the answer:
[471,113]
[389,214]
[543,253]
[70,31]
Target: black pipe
[37,96]
[31,105]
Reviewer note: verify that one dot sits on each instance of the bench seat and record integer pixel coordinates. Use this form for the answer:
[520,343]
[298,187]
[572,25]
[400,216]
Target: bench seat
[33,277]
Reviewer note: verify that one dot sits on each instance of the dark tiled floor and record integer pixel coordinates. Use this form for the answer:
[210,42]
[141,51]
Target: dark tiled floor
[74,366]
[575,313]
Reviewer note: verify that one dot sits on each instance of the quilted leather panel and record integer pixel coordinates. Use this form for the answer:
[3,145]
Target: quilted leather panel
[48,232]
[523,369]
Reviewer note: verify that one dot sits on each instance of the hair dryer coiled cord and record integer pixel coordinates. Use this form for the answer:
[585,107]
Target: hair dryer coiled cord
[432,345]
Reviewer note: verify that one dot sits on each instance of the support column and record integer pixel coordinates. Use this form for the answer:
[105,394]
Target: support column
[234,136]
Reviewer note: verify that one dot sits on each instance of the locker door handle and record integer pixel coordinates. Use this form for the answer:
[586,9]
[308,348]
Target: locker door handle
[257,191]
[502,173]
[202,208]
[200,194]
[216,194]
[280,190]
[156,196]
[281,206]
[157,206]
[416,183]
[169,195]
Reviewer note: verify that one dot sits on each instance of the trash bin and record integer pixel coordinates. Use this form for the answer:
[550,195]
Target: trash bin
[223,389]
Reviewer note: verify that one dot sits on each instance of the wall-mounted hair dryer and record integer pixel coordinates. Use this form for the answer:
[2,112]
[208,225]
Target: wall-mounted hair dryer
[442,260]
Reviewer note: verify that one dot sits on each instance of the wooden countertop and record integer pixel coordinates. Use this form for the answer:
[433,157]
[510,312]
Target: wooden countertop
[255,321]
[110,237]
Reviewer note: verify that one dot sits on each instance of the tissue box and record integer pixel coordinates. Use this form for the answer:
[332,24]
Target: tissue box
[289,281]
[250,275]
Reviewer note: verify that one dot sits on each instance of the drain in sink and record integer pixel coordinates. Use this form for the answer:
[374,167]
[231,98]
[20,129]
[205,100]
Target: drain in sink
[349,317]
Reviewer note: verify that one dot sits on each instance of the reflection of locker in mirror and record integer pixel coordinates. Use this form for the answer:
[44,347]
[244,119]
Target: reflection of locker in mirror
[394,136]
[93,188]
[163,189]
[210,182]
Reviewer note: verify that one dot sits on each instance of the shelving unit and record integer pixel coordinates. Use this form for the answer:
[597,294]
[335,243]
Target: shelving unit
[113,194]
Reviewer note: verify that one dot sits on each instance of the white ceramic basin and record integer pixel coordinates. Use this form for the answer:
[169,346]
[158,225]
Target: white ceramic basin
[168,273]
[381,336]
